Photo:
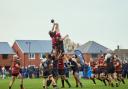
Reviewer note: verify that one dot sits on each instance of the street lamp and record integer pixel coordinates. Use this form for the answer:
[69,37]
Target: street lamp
[29,53]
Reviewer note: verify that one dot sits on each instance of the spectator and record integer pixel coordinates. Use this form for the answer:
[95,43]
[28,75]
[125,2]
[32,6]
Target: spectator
[125,69]
[3,72]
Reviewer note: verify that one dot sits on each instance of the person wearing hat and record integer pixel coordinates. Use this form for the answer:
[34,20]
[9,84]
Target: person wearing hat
[3,72]
[15,70]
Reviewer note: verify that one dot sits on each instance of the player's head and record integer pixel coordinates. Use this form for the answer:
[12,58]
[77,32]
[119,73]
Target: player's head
[52,34]
[74,56]
[16,59]
[70,59]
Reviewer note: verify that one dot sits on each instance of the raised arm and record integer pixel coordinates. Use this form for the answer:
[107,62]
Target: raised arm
[64,37]
[53,27]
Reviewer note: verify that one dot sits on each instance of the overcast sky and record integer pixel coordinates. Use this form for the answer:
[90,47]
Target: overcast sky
[103,21]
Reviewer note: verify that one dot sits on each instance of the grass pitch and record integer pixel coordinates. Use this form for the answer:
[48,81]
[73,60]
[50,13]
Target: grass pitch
[37,84]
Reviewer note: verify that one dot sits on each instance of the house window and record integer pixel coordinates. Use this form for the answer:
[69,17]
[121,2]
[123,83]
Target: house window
[31,66]
[5,56]
[126,58]
[94,55]
[42,55]
[31,55]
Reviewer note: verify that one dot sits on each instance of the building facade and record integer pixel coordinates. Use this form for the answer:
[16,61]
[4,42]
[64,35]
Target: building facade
[122,54]
[31,52]
[6,54]
[92,50]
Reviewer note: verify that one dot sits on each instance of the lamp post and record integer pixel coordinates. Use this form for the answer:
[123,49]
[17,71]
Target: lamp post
[29,53]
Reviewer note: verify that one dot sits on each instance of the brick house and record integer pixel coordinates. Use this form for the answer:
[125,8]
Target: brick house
[6,54]
[31,52]
[122,53]
[91,50]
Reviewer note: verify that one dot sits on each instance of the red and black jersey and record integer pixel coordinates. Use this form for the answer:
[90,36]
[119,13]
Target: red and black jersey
[15,68]
[101,61]
[93,65]
[117,66]
[60,63]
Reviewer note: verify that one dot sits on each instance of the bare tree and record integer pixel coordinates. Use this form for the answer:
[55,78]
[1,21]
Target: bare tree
[70,45]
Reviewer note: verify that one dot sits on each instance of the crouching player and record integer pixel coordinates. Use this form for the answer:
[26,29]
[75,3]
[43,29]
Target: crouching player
[16,71]
[46,65]
[75,66]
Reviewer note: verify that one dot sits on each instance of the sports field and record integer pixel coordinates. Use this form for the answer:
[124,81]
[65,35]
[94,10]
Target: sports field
[37,84]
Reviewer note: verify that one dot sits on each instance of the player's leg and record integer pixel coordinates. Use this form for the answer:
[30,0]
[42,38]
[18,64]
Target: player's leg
[53,82]
[76,76]
[12,81]
[66,80]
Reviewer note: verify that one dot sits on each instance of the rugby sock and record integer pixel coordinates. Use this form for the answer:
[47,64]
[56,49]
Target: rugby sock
[48,82]
[68,83]
[119,79]
[93,80]
[112,85]
[123,81]
[99,79]
[9,87]
[117,85]
[62,81]
[43,87]
[21,86]
[81,85]
[108,81]
[76,85]
[104,82]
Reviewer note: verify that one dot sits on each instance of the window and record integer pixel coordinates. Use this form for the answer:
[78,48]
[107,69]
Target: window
[32,66]
[42,55]
[127,58]
[31,55]
[94,55]
[5,56]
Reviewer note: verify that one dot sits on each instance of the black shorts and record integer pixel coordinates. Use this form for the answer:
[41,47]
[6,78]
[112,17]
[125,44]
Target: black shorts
[61,72]
[118,72]
[15,74]
[55,72]
[75,71]
[46,74]
[101,69]
[110,70]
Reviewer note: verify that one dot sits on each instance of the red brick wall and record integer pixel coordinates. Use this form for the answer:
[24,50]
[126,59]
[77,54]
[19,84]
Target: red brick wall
[87,57]
[18,52]
[6,62]
[25,61]
[35,61]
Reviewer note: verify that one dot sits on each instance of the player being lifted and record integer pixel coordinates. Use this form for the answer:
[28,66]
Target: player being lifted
[57,39]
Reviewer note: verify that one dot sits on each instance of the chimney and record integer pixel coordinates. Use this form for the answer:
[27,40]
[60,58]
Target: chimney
[118,47]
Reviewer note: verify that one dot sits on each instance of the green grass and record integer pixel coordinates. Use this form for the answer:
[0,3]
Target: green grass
[37,84]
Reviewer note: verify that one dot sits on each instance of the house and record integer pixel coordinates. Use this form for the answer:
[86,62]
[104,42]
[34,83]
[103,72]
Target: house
[91,50]
[6,54]
[122,53]
[31,52]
